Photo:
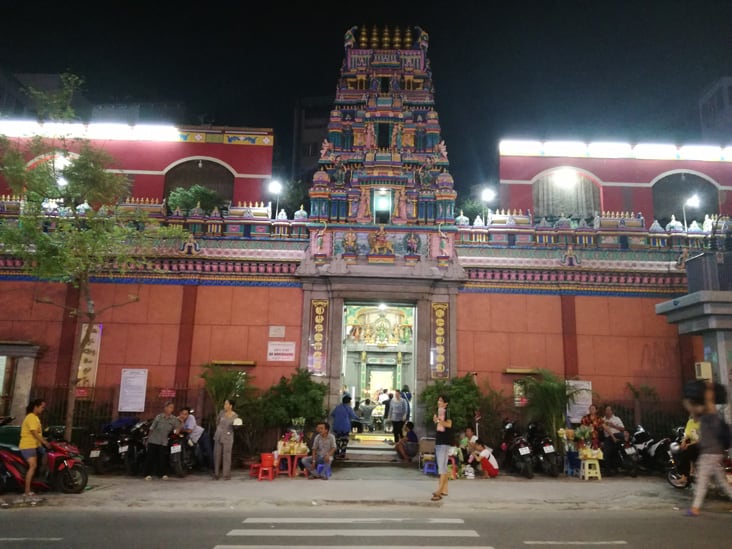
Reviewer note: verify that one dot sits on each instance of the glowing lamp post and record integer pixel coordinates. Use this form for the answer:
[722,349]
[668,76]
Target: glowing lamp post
[275,187]
[692,202]
[487,196]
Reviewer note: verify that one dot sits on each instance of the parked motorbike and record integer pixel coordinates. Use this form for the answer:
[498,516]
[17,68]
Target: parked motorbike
[65,472]
[653,455]
[673,475]
[546,458]
[516,453]
[136,442]
[182,454]
[109,448]
[620,456]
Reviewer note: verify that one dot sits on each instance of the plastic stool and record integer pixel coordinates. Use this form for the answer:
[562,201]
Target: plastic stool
[254,469]
[267,472]
[324,470]
[430,467]
[590,468]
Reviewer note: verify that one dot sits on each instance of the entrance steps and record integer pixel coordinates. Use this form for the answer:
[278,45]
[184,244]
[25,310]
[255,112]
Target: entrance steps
[371,450]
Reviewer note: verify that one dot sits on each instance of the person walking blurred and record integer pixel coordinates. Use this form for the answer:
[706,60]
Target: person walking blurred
[713,442]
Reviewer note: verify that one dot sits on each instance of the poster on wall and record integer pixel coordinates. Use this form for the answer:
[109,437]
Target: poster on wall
[281,351]
[318,337]
[89,357]
[582,391]
[132,389]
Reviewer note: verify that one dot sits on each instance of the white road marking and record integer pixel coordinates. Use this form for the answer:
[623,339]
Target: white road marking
[355,533]
[615,542]
[260,546]
[326,520]
[31,539]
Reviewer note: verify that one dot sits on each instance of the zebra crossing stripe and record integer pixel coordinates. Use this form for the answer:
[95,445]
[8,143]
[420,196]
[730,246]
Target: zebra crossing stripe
[330,532]
[260,546]
[340,520]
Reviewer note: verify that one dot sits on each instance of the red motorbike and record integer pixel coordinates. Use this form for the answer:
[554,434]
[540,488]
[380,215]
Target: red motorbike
[66,473]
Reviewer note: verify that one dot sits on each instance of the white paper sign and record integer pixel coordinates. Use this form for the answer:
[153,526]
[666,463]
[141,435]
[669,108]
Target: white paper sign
[133,386]
[582,399]
[276,331]
[281,351]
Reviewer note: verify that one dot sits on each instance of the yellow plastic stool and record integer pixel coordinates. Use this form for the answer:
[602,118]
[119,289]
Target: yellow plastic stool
[590,468]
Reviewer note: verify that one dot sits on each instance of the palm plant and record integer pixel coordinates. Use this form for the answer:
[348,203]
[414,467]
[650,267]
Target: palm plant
[548,396]
[223,383]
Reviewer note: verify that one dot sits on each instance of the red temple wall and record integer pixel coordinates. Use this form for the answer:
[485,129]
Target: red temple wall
[618,340]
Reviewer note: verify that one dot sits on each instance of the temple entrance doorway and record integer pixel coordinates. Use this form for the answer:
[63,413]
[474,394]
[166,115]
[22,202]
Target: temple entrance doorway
[378,356]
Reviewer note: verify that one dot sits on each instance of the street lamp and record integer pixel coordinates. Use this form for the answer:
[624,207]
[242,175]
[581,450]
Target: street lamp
[487,196]
[692,202]
[276,187]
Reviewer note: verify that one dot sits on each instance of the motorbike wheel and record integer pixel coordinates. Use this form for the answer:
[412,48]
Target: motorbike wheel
[101,464]
[676,479]
[553,467]
[528,468]
[72,480]
[176,464]
[132,463]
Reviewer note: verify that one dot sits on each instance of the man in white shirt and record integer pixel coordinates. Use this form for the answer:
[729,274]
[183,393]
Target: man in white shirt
[615,432]
[196,435]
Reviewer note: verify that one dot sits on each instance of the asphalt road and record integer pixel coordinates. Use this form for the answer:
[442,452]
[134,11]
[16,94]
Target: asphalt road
[357,527]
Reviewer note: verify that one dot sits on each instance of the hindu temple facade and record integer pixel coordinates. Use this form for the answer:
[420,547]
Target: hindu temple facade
[382,283]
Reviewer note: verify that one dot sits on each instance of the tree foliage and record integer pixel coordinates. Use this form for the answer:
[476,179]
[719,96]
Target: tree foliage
[222,383]
[296,397]
[71,227]
[194,196]
[464,400]
[548,396]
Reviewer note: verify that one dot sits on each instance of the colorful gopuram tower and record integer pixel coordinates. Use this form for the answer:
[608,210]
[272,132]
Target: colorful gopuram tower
[384,161]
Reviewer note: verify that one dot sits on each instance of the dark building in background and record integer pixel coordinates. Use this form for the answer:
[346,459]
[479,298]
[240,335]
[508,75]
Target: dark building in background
[14,102]
[310,128]
[715,112]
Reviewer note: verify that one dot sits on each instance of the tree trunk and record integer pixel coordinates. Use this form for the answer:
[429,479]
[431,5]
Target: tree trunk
[89,314]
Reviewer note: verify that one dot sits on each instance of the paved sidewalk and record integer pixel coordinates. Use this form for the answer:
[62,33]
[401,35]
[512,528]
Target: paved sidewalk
[374,486]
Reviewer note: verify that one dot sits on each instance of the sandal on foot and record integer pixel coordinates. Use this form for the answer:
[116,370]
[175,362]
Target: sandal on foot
[435,497]
[691,513]
[443,494]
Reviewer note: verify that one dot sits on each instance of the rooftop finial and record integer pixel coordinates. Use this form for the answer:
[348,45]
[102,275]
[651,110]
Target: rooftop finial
[385,38]
[363,38]
[374,38]
[397,39]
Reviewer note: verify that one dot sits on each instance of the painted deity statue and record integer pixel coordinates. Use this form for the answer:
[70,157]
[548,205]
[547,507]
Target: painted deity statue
[350,245]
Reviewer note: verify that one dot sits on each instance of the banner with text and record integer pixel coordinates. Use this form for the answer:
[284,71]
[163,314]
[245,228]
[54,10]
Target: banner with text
[439,345]
[318,338]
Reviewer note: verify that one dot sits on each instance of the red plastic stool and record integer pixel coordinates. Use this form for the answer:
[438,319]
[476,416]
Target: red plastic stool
[267,472]
[254,469]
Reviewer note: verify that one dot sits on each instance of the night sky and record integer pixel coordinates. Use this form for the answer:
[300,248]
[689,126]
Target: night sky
[615,70]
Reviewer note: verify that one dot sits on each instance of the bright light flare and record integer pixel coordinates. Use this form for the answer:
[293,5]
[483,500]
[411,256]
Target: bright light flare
[275,187]
[565,178]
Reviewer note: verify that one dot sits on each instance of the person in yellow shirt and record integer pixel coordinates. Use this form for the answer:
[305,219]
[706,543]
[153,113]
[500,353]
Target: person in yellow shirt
[689,445]
[31,439]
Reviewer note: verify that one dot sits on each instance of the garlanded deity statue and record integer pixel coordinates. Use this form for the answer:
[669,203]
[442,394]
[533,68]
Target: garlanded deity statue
[569,258]
[478,221]
[282,215]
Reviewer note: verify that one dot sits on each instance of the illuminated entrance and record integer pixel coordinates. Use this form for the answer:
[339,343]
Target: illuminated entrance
[378,349]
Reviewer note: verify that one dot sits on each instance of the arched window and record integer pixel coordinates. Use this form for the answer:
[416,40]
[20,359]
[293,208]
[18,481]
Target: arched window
[671,192]
[201,172]
[565,192]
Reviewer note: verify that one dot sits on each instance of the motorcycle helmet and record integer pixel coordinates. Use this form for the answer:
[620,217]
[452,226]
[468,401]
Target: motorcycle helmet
[675,447]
